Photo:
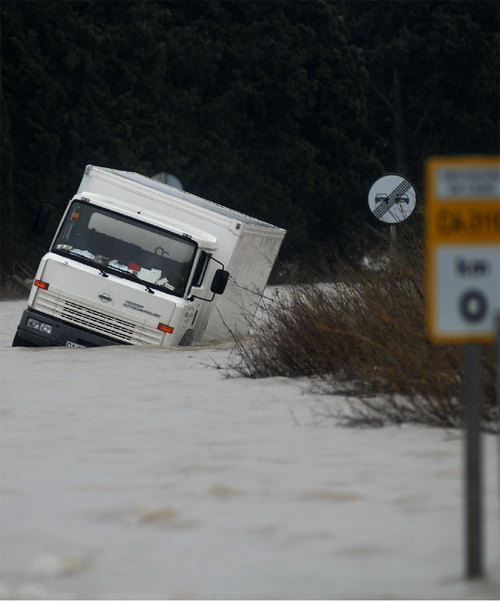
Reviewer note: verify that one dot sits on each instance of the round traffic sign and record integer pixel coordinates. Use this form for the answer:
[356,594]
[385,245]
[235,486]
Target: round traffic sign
[168,178]
[392,198]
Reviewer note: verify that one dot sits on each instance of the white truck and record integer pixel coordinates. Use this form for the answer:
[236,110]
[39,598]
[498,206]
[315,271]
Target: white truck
[136,261]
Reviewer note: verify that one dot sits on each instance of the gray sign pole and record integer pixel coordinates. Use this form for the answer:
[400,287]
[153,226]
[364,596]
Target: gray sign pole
[394,233]
[497,357]
[473,480]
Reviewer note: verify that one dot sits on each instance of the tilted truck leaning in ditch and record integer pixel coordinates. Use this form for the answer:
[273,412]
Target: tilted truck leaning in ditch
[136,261]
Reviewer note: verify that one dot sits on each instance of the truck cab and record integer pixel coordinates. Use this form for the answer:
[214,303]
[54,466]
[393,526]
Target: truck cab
[116,275]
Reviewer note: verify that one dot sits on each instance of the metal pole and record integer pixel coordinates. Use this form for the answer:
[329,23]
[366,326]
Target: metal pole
[394,234]
[497,360]
[473,480]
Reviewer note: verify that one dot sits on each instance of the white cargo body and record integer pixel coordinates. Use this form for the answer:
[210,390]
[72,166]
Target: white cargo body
[87,294]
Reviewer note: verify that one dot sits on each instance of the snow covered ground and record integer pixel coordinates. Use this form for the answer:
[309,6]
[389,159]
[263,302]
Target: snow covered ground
[139,473]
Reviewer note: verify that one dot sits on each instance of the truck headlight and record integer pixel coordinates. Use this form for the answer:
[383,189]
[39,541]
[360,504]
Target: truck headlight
[39,325]
[33,323]
[45,328]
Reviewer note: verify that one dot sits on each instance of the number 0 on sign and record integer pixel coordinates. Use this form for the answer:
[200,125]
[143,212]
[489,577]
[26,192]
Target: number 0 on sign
[463,247]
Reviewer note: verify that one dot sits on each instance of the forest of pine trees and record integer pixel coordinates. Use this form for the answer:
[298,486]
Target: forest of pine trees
[286,110]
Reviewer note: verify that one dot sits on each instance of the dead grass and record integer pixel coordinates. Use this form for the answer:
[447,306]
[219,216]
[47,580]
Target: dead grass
[364,337]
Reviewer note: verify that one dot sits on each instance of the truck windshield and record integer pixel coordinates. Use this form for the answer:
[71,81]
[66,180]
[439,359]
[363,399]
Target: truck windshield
[126,247]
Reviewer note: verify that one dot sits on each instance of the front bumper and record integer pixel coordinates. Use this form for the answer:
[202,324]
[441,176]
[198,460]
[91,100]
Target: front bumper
[62,333]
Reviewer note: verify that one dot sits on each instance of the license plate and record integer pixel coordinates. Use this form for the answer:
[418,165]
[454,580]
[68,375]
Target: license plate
[74,345]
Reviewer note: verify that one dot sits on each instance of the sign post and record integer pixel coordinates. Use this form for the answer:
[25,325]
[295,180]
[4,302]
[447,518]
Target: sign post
[473,390]
[463,295]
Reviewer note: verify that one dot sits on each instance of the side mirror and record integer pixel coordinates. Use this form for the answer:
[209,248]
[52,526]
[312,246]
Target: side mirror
[41,219]
[219,282]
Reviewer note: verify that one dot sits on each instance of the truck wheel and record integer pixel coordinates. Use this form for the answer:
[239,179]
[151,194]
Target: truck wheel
[187,339]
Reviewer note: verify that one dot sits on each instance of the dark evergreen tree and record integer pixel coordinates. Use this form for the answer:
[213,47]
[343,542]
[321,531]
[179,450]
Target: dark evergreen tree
[434,83]
[284,110]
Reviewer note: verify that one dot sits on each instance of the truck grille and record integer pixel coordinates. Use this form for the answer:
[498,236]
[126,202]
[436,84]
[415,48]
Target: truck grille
[78,311]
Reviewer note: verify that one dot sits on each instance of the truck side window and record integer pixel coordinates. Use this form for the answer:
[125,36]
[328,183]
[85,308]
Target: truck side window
[201,268]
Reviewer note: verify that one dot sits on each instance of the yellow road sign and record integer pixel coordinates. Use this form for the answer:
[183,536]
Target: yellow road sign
[471,222]
[462,247]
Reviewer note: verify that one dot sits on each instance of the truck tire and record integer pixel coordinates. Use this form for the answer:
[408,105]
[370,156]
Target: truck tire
[187,339]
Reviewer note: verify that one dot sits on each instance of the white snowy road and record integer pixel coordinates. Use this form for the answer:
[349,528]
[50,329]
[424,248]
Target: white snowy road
[139,473]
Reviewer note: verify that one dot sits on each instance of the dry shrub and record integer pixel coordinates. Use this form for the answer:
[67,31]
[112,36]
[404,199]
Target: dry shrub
[364,337]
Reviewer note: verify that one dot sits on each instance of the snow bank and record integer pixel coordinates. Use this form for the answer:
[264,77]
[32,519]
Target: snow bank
[133,472]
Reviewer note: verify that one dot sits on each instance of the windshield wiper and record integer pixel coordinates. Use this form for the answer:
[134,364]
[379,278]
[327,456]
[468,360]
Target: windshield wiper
[82,259]
[133,275]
